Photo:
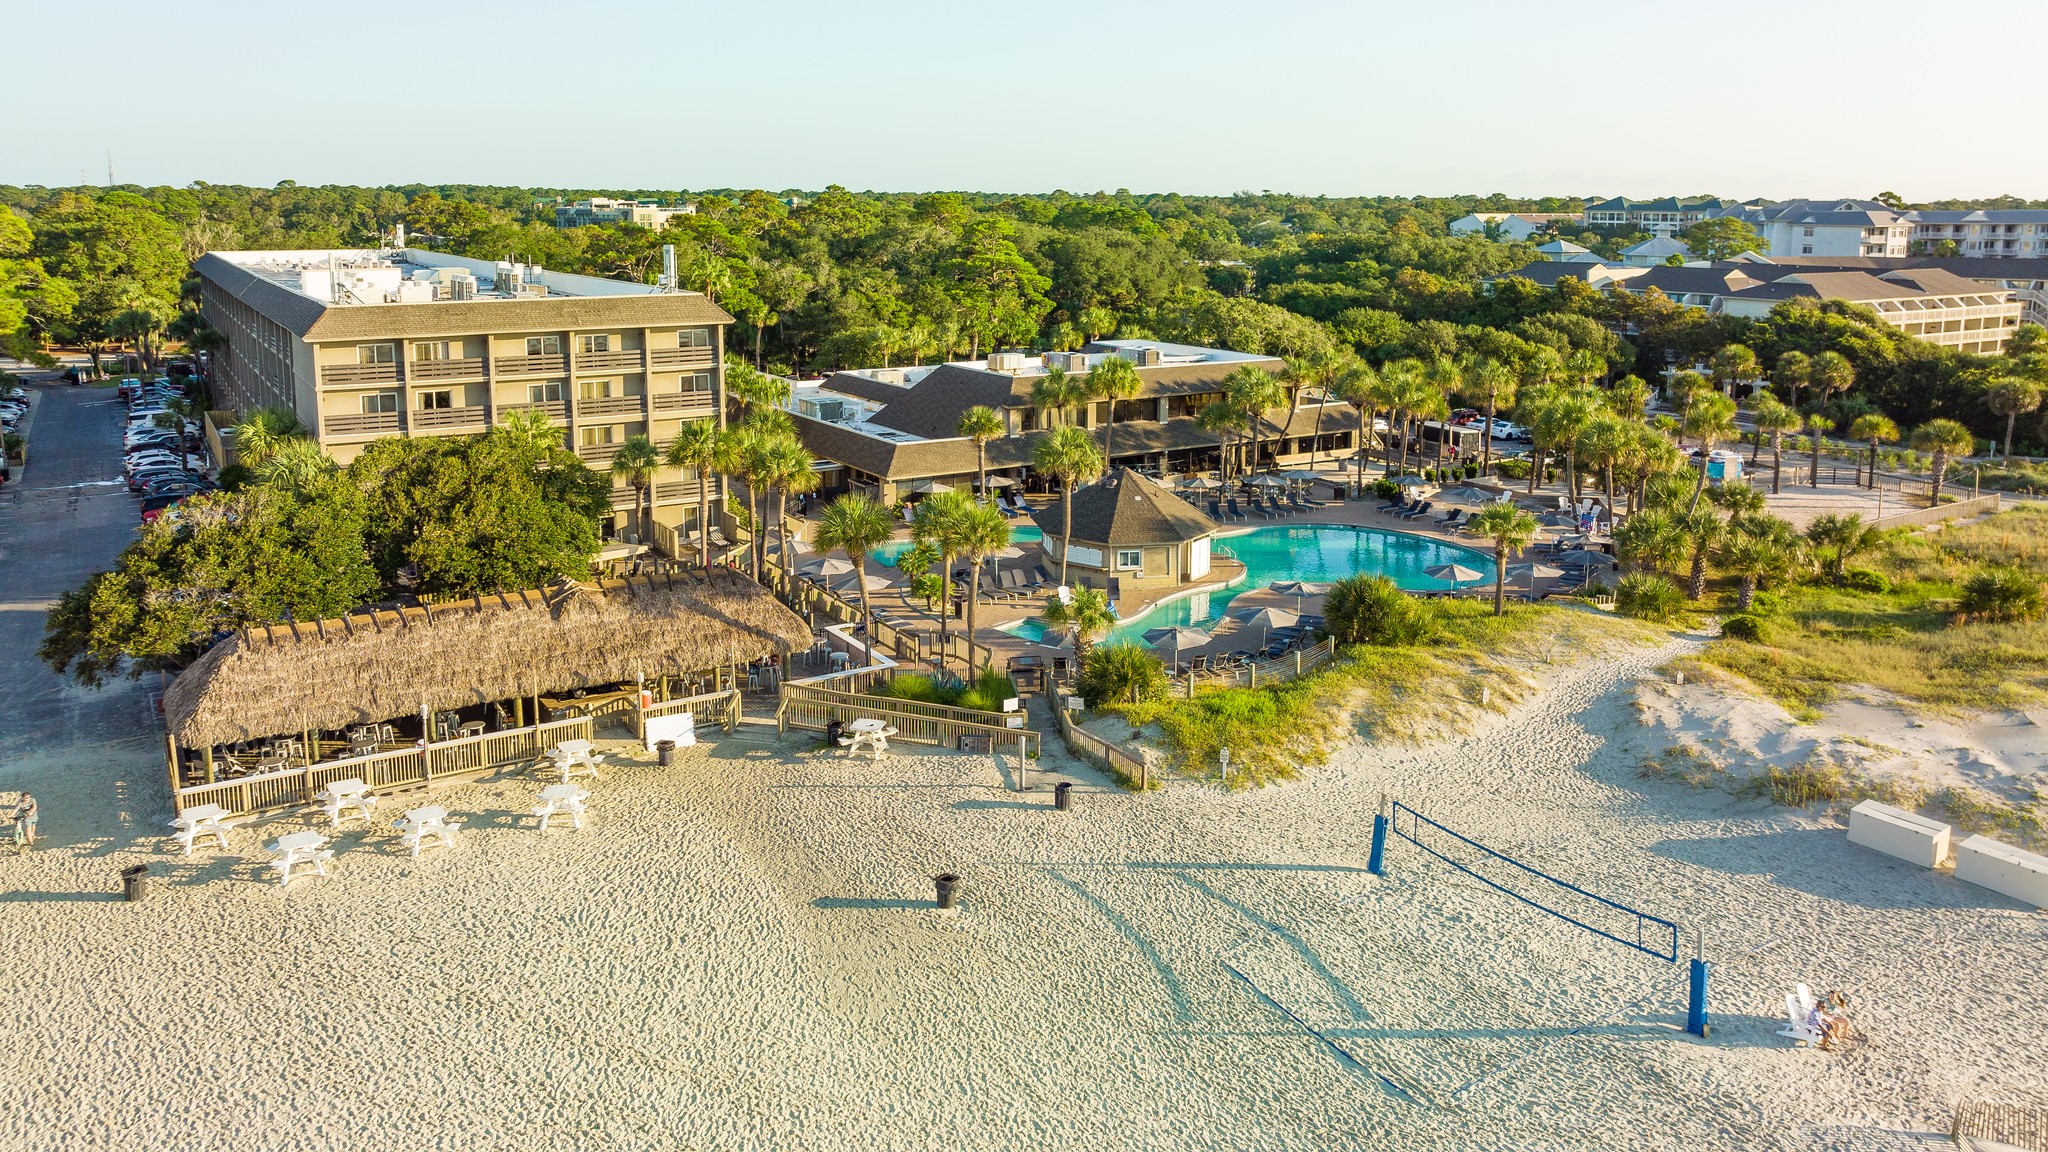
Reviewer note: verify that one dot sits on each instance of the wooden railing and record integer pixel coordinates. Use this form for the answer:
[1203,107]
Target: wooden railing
[1960,510]
[1279,670]
[359,374]
[556,410]
[2008,1125]
[612,406]
[461,366]
[720,707]
[682,401]
[475,416]
[553,365]
[398,770]
[598,454]
[811,708]
[622,361]
[1089,746]
[363,424]
[683,358]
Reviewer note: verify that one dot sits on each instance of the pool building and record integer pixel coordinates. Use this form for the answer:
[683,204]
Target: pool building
[1127,527]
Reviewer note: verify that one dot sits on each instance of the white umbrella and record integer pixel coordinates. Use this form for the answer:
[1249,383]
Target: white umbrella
[1001,482]
[926,486]
[1455,573]
[1411,481]
[1204,483]
[867,583]
[1474,496]
[827,568]
[1583,556]
[1533,572]
[1178,638]
[1265,481]
[1267,619]
[1298,589]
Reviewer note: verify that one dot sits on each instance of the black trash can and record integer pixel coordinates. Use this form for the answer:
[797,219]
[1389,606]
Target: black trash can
[134,882]
[1062,795]
[947,884]
[835,730]
[665,752]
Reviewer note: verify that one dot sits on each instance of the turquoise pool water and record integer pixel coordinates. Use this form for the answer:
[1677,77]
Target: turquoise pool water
[1019,534]
[1316,553]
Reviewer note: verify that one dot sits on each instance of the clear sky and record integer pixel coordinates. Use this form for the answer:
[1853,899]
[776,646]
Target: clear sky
[1742,98]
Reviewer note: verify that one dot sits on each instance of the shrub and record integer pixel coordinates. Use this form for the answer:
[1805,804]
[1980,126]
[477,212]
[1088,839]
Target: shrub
[1372,610]
[1385,489]
[986,694]
[1866,580]
[1747,627]
[2000,594]
[1511,469]
[1471,471]
[1117,674]
[1647,596]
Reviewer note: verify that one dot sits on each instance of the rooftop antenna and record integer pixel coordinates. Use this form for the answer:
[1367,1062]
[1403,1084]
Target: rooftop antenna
[110,167]
[668,267]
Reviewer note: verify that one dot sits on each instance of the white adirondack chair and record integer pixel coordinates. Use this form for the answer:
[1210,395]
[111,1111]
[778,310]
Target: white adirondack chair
[1799,1030]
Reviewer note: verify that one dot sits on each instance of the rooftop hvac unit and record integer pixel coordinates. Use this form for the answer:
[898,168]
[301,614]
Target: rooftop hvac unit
[509,280]
[461,286]
[1142,357]
[1006,361]
[1067,361]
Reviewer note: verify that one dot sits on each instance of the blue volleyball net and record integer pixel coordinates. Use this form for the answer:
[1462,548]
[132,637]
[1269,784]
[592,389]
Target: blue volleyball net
[1597,914]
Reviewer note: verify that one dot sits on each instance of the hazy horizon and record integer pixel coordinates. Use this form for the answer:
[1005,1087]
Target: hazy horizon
[1310,99]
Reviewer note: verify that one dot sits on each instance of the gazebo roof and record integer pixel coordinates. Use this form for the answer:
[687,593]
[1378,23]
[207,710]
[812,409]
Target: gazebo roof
[1125,510]
[373,665]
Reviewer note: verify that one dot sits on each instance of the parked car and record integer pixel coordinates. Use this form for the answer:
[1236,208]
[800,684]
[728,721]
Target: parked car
[1504,430]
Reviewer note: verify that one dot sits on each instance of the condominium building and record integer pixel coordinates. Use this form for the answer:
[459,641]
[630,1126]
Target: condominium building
[1662,217]
[893,432]
[1513,225]
[1985,234]
[1828,228]
[2025,277]
[1931,304]
[599,210]
[364,344]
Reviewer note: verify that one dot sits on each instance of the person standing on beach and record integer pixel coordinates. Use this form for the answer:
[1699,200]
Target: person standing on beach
[25,815]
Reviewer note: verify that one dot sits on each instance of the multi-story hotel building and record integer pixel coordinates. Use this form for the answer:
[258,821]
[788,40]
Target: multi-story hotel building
[363,344]
[600,210]
[1982,233]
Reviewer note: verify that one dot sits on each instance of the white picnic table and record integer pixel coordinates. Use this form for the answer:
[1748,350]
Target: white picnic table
[300,848]
[348,799]
[573,758]
[559,800]
[203,820]
[422,826]
[868,734]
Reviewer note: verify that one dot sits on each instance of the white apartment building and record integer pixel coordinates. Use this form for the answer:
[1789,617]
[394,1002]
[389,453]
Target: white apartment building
[1830,228]
[601,210]
[1988,233]
[1666,217]
[1512,225]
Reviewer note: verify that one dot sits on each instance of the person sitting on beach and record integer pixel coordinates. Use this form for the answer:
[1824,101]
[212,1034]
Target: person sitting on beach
[1834,1014]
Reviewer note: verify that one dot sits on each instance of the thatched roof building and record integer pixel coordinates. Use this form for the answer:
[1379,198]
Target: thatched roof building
[373,666]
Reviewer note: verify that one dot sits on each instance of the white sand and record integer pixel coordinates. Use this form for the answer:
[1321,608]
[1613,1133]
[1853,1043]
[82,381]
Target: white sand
[737,954]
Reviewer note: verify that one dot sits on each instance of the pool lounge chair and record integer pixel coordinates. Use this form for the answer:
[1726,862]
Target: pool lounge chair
[1391,505]
[1272,504]
[1420,510]
[1235,513]
[1450,519]
[1404,509]
[1216,511]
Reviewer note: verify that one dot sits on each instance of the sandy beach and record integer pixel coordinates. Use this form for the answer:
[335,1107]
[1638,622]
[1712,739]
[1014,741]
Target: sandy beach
[740,952]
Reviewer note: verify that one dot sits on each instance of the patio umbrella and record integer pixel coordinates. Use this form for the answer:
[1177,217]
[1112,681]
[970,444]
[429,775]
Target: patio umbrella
[865,583]
[1298,589]
[1469,496]
[1411,481]
[1264,481]
[1204,483]
[1266,619]
[1177,638]
[827,568]
[1455,573]
[1583,556]
[924,487]
[1001,482]
[1302,475]
[1533,572]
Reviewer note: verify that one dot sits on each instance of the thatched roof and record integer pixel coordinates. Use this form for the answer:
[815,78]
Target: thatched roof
[372,666]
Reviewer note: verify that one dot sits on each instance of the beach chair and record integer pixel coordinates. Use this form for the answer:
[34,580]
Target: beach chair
[1403,509]
[1450,519]
[1798,1030]
[1252,503]
[1235,513]
[1420,510]
[1392,504]
[1216,511]
[1295,502]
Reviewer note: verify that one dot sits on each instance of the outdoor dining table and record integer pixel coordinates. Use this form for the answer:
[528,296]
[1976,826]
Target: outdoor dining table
[574,758]
[202,820]
[561,799]
[422,825]
[300,848]
[348,799]
[868,734]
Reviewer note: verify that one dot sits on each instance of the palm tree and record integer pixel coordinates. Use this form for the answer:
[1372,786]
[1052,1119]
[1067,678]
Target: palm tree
[1835,539]
[1405,382]
[754,391]
[634,465]
[1649,541]
[1360,387]
[1602,443]
[1252,391]
[261,431]
[1221,418]
[1322,371]
[1556,425]
[1056,392]
[856,526]
[1702,529]
[1873,427]
[981,425]
[1793,371]
[937,522]
[750,454]
[1774,418]
[792,474]
[1942,439]
[296,465]
[1493,383]
[978,533]
[697,448]
[1831,373]
[1114,379]
[173,418]
[1710,419]
[1733,364]
[2010,397]
[1069,456]
[533,430]
[1756,548]
[1086,617]
[1510,529]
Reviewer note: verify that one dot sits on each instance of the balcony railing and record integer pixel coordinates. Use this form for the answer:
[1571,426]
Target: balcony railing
[363,424]
[359,374]
[555,409]
[612,406]
[627,361]
[447,369]
[530,365]
[678,401]
[683,358]
[475,416]
[597,454]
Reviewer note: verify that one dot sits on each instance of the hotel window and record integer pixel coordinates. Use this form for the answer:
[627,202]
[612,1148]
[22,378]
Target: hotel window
[1806,249]
[1809,231]
[547,393]
[543,345]
[1130,558]
[430,350]
[377,403]
[593,389]
[594,343]
[376,354]
[693,338]
[595,437]
[697,382]
[439,398]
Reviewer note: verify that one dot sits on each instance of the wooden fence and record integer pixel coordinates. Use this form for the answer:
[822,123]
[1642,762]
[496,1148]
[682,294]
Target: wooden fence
[810,708]
[1279,670]
[722,708]
[2016,1125]
[399,770]
[907,645]
[1088,746]
[1960,510]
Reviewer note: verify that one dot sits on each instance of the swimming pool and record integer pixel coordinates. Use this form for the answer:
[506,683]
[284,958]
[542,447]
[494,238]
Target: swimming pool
[1019,534]
[1318,553]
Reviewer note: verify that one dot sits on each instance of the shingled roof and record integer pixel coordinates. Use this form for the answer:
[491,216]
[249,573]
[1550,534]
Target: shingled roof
[1125,510]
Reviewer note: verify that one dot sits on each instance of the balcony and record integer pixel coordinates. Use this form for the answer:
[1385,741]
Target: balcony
[609,361]
[683,358]
[364,424]
[682,491]
[447,369]
[612,406]
[556,410]
[450,419]
[597,455]
[339,374]
[553,365]
[682,401]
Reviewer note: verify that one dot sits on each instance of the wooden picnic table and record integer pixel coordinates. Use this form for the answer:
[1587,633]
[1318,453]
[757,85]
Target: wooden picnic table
[300,848]
[869,734]
[203,820]
[561,799]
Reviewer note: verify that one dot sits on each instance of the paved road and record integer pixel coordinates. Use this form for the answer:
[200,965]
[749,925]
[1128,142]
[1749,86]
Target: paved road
[63,517]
